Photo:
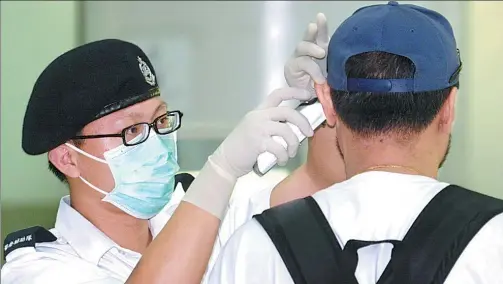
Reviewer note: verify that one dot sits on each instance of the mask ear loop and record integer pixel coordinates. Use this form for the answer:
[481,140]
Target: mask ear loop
[175,138]
[94,158]
[93,186]
[86,154]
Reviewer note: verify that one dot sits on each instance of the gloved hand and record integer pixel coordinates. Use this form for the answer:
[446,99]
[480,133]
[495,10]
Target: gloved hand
[308,65]
[254,134]
[235,157]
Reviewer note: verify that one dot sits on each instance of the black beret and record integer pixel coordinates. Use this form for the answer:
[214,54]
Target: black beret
[82,85]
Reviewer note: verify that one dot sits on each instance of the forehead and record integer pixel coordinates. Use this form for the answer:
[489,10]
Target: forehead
[145,109]
[142,110]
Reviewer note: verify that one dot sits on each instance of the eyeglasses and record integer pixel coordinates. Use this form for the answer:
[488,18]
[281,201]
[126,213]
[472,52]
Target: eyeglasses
[138,133]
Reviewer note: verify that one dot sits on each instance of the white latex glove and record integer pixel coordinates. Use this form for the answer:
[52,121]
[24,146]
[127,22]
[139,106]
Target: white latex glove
[308,65]
[235,157]
[254,134]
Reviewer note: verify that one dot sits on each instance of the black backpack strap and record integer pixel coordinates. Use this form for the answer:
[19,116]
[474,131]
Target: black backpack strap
[441,232]
[306,243]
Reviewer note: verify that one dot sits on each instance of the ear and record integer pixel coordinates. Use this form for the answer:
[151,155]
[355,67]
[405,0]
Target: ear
[65,160]
[447,112]
[325,98]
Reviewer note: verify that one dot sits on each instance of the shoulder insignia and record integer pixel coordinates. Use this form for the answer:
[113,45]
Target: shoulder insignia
[27,238]
[185,179]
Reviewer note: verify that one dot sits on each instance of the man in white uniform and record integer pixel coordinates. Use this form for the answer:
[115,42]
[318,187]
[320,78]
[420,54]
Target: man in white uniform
[393,74]
[96,111]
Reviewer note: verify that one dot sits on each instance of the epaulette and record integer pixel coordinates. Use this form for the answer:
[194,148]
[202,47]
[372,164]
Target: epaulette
[185,179]
[27,238]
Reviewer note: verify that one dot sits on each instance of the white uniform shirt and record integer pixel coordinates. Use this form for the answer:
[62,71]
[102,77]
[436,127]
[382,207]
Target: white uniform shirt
[81,253]
[371,206]
[239,212]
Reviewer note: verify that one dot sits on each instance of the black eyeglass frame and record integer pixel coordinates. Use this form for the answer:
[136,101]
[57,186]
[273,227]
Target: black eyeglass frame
[150,126]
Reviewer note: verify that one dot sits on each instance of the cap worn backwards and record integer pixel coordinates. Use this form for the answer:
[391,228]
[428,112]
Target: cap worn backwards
[82,85]
[421,35]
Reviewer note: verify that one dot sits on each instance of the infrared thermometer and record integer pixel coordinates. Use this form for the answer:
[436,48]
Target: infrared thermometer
[313,111]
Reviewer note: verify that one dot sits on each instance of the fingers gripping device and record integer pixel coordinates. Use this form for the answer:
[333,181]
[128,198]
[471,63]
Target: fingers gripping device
[313,111]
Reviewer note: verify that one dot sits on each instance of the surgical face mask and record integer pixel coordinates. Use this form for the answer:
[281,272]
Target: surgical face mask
[144,175]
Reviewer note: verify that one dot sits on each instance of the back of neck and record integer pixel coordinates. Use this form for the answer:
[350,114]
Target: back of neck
[323,168]
[390,157]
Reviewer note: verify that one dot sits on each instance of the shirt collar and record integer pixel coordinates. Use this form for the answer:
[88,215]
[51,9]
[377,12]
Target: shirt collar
[88,241]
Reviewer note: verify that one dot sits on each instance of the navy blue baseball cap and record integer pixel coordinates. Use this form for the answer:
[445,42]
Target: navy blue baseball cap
[422,35]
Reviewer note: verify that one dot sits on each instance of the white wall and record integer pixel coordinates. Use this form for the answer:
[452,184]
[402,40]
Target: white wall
[33,34]
[214,52]
[216,60]
[485,92]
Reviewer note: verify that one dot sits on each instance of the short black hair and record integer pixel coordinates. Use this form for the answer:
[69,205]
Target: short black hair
[370,115]
[61,176]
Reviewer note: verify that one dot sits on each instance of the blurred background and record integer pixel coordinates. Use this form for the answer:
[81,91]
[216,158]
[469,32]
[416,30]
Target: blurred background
[215,61]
